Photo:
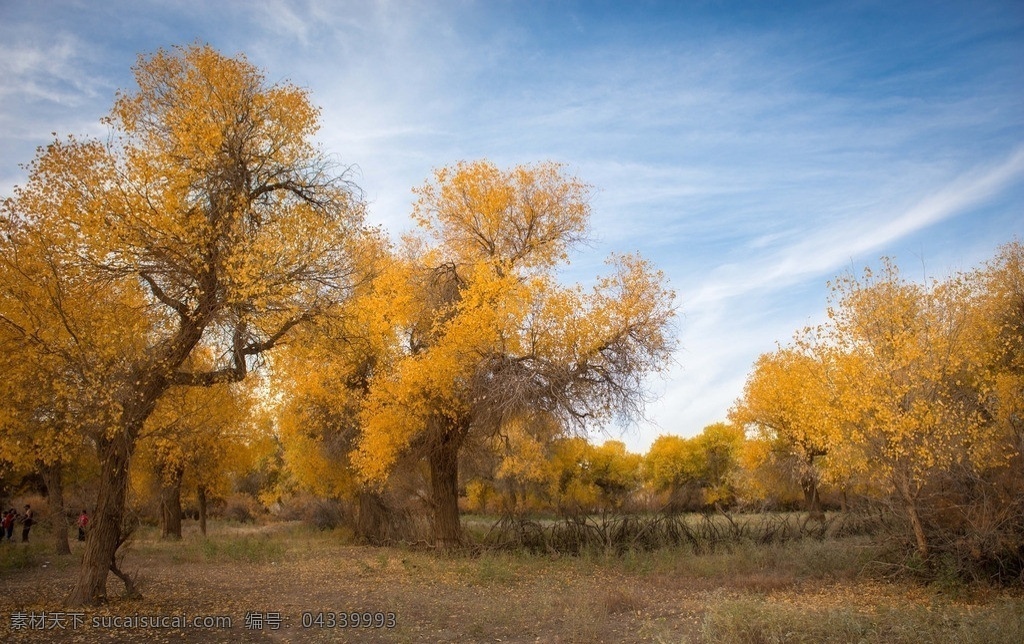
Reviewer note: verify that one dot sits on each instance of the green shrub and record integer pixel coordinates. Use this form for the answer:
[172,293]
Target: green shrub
[241,508]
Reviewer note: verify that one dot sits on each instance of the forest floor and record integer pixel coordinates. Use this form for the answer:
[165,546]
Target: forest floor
[288,583]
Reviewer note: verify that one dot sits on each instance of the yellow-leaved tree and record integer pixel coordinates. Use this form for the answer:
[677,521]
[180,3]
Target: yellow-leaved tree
[207,218]
[981,500]
[508,472]
[54,394]
[789,403]
[695,472]
[672,468]
[39,425]
[998,332]
[198,436]
[912,394]
[905,387]
[615,471]
[318,409]
[492,338]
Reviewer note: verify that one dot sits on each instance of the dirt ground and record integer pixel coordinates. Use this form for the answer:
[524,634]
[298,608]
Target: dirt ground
[426,599]
[295,586]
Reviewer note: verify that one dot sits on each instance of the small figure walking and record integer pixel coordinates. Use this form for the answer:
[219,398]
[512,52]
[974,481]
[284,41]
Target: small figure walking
[26,523]
[83,522]
[7,524]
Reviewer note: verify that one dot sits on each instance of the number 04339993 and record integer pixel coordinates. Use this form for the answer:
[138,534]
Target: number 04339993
[348,619]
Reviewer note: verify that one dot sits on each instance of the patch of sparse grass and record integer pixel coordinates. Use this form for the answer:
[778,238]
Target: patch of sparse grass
[805,559]
[221,548]
[774,565]
[620,600]
[495,569]
[580,617]
[19,556]
[762,621]
[255,549]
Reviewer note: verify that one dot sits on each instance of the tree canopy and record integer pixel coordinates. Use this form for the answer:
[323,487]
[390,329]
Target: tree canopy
[207,218]
[492,339]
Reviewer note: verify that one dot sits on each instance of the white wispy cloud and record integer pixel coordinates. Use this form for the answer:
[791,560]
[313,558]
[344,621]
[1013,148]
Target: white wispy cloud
[823,251]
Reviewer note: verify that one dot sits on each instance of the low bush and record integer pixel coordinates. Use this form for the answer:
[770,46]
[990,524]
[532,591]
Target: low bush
[621,533]
[327,514]
[241,508]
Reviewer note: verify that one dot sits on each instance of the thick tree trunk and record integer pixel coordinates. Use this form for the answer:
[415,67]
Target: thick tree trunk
[201,493]
[675,499]
[444,488]
[53,476]
[812,501]
[909,498]
[372,521]
[104,538]
[170,505]
[512,504]
[919,535]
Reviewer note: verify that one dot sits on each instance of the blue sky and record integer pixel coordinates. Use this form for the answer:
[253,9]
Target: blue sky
[752,152]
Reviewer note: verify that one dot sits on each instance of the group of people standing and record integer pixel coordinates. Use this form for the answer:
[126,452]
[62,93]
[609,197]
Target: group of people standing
[11,517]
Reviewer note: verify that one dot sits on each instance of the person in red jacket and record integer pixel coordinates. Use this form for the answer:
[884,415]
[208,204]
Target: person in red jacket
[7,524]
[83,523]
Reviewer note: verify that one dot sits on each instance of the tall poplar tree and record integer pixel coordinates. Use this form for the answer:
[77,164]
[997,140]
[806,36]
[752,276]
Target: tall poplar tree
[207,218]
[492,338]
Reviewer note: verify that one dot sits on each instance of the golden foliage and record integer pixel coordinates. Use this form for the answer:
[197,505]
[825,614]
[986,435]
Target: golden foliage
[492,338]
[207,221]
[706,463]
[909,391]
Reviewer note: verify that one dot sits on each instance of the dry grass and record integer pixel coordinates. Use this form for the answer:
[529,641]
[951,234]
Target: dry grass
[886,617]
[801,591]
